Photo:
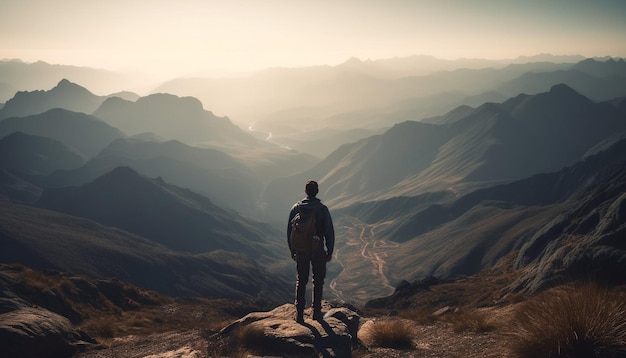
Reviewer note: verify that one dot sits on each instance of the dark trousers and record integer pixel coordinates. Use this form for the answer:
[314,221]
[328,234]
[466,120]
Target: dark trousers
[304,263]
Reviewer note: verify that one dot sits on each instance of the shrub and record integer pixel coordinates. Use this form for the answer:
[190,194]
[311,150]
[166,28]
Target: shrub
[102,327]
[570,321]
[243,341]
[475,321]
[387,333]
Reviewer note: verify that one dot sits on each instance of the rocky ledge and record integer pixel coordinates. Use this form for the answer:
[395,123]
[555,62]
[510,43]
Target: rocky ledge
[276,333]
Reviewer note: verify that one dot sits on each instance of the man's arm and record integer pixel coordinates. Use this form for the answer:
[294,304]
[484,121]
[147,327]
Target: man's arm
[292,213]
[329,233]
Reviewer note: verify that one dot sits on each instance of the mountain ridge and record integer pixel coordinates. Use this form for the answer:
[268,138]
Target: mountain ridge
[173,217]
[45,239]
[81,132]
[493,143]
[65,94]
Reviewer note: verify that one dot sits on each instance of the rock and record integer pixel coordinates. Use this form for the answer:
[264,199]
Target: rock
[276,333]
[441,311]
[37,332]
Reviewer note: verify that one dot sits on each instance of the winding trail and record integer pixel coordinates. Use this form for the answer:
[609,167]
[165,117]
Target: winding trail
[363,259]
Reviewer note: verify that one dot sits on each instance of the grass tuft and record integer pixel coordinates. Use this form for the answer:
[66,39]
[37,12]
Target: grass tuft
[474,321]
[388,333]
[571,321]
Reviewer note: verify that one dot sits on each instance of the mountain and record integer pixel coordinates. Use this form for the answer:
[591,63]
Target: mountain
[304,107]
[210,172]
[493,143]
[17,76]
[325,91]
[82,133]
[592,86]
[172,117]
[176,218]
[44,239]
[65,94]
[35,155]
[15,189]
[544,230]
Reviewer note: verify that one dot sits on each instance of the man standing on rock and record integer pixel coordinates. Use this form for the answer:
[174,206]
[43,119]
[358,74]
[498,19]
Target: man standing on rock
[315,252]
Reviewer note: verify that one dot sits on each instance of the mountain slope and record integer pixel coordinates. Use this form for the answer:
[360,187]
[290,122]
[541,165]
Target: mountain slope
[209,172]
[65,95]
[45,239]
[85,134]
[172,117]
[565,224]
[35,155]
[494,143]
[173,217]
[21,76]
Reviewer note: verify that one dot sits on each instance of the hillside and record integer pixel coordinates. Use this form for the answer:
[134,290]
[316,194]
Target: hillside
[491,144]
[34,155]
[85,134]
[22,76]
[65,95]
[219,176]
[172,117]
[548,227]
[44,239]
[171,216]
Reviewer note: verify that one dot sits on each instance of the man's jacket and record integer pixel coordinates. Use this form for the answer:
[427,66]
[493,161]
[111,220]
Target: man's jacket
[323,222]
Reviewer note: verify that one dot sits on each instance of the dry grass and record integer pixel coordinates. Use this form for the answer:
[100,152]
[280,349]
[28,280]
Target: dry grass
[136,311]
[571,321]
[421,315]
[243,341]
[252,337]
[388,333]
[477,321]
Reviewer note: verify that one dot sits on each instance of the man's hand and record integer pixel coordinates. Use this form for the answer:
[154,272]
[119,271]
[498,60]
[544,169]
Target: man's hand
[329,257]
[293,255]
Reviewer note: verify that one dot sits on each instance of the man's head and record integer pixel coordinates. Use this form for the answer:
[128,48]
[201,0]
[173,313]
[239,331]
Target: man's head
[310,188]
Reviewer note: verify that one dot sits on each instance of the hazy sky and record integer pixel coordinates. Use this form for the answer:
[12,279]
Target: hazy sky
[179,37]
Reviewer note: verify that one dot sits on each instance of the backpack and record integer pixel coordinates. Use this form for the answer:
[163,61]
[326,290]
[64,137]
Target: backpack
[303,238]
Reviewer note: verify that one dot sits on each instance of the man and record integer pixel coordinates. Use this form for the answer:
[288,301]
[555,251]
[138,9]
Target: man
[317,257]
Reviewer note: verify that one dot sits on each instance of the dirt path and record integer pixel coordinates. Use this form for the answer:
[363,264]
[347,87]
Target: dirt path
[367,258]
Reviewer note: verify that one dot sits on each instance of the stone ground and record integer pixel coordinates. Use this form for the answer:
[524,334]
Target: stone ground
[432,340]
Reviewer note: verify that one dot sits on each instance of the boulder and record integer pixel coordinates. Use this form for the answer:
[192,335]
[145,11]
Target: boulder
[37,332]
[276,333]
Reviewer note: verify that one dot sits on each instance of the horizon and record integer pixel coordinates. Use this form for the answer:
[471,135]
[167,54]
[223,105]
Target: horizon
[225,39]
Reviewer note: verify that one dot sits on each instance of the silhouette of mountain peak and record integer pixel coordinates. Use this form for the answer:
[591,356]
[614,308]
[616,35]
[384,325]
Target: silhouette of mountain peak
[66,85]
[64,82]
[563,90]
[122,173]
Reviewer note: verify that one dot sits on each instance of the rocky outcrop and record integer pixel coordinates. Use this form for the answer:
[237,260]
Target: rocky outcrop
[276,333]
[37,332]
[28,325]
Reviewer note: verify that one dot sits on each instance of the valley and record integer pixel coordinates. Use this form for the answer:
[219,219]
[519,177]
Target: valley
[363,260]
[510,185]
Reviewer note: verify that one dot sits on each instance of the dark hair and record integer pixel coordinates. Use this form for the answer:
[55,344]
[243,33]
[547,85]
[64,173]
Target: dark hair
[310,188]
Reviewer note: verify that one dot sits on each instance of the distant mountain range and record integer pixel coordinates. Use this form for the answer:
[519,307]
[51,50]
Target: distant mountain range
[82,133]
[65,94]
[34,155]
[171,117]
[46,239]
[166,214]
[555,227]
[17,75]
[493,143]
[529,182]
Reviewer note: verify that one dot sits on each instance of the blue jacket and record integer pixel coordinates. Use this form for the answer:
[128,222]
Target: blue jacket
[323,222]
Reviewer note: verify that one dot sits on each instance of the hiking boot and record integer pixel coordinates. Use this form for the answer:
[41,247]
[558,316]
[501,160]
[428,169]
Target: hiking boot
[300,317]
[317,315]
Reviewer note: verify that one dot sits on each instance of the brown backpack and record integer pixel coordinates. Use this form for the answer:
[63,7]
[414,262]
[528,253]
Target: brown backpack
[303,238]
